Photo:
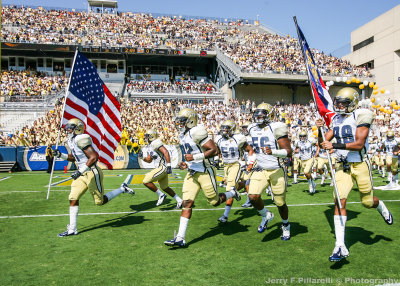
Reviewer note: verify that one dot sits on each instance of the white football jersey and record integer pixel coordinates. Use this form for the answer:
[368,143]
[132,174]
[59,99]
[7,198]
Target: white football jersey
[305,149]
[249,142]
[76,144]
[267,137]
[231,148]
[389,145]
[192,143]
[155,150]
[344,130]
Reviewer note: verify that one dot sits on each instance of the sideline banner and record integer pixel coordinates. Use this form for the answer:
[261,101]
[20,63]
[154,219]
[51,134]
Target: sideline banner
[34,159]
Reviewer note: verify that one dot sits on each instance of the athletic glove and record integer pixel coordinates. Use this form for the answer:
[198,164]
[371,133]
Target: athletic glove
[75,175]
[169,170]
[140,154]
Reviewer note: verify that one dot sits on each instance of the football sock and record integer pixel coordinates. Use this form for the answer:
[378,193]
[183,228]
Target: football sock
[295,177]
[113,194]
[73,217]
[263,214]
[285,222]
[395,178]
[227,210]
[381,207]
[177,198]
[339,229]
[230,194]
[182,227]
[159,193]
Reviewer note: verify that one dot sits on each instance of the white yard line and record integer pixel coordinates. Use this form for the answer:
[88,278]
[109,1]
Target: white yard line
[160,211]
[5,178]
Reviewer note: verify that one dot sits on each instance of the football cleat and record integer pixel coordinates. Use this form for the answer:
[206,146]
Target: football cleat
[285,232]
[247,205]
[339,252]
[68,232]
[179,205]
[222,185]
[127,190]
[175,242]
[161,199]
[387,216]
[223,219]
[263,226]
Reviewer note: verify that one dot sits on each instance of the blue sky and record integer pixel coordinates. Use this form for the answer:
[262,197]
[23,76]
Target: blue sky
[327,25]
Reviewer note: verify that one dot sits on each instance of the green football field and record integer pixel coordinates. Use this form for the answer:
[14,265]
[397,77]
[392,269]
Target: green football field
[121,243]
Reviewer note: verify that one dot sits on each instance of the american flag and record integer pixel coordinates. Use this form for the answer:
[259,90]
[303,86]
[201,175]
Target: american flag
[322,97]
[89,100]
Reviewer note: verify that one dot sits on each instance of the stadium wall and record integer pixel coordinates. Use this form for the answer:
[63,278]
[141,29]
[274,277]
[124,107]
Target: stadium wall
[34,159]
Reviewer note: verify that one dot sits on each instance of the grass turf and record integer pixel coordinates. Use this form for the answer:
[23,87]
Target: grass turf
[122,242]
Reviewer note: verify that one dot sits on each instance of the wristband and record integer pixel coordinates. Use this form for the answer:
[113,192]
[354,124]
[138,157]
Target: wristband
[63,156]
[281,153]
[339,146]
[251,159]
[84,169]
[199,156]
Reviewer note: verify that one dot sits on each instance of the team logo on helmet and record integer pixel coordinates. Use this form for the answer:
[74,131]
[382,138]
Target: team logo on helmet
[346,100]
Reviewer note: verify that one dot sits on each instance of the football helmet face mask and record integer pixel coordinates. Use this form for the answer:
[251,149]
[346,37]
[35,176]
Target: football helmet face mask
[74,127]
[227,129]
[390,135]
[244,127]
[264,114]
[303,136]
[345,101]
[186,119]
[150,135]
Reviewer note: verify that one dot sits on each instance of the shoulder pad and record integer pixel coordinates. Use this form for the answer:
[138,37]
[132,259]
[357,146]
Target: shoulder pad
[156,144]
[199,134]
[280,129]
[364,116]
[83,140]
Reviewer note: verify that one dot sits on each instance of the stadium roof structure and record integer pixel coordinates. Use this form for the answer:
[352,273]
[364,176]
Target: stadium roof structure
[103,4]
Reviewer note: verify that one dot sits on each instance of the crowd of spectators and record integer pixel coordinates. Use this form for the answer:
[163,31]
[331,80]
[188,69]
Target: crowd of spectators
[140,115]
[252,48]
[30,84]
[201,86]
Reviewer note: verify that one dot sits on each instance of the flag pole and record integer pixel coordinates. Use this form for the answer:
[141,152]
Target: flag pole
[321,129]
[61,119]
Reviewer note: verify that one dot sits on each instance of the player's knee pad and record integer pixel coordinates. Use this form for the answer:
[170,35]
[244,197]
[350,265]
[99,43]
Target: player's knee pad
[367,201]
[214,201]
[279,200]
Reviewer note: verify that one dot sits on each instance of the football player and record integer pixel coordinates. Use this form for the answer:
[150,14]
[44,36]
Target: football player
[231,147]
[271,144]
[88,176]
[350,126]
[160,155]
[296,162]
[322,162]
[391,160]
[246,175]
[198,148]
[305,148]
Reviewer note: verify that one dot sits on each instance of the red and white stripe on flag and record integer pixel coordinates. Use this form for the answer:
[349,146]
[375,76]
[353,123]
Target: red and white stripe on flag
[89,100]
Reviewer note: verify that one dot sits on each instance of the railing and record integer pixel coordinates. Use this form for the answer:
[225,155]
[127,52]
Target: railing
[227,61]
